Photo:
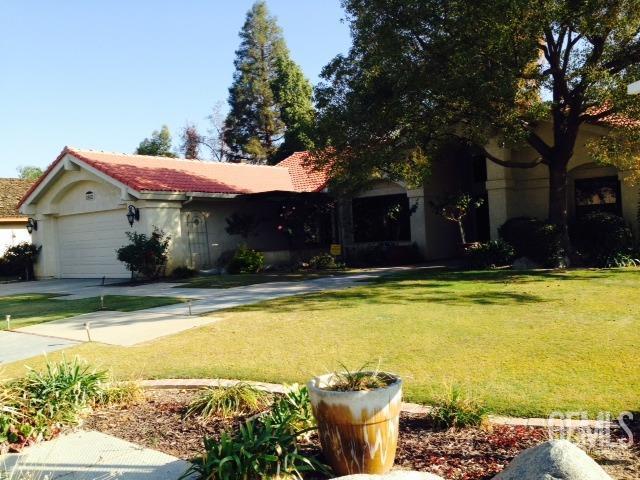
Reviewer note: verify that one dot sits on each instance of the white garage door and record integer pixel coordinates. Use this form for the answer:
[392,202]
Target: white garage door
[88,244]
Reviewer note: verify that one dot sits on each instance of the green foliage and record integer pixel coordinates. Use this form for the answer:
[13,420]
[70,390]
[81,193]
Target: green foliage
[603,239]
[243,224]
[246,260]
[455,208]
[41,403]
[492,254]
[159,145]
[358,380]
[324,261]
[294,409]
[456,409]
[183,272]
[270,98]
[534,239]
[423,72]
[125,393]
[145,255]
[19,260]
[29,172]
[261,449]
[225,402]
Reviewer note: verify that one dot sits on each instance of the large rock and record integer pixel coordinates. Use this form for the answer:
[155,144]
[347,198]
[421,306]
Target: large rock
[394,475]
[554,460]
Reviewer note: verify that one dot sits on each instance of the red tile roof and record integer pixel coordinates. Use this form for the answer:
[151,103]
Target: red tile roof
[304,176]
[163,174]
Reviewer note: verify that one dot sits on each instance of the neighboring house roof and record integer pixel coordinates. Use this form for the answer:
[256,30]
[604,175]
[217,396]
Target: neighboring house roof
[162,174]
[11,191]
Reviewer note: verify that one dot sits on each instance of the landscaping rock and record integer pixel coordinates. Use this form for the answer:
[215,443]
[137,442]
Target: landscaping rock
[395,475]
[524,263]
[554,460]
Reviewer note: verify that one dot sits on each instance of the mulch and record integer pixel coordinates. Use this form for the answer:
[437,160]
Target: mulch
[455,454]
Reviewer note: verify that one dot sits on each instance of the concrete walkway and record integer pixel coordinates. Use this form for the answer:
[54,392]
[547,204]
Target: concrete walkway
[131,328]
[91,456]
[17,346]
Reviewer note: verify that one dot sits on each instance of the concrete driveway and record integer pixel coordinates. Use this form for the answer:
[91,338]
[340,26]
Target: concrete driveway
[17,346]
[131,328]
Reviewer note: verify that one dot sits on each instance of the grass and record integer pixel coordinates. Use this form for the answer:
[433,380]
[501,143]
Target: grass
[30,309]
[520,343]
[244,279]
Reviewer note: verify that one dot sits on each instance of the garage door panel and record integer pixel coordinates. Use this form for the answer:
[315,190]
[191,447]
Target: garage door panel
[88,244]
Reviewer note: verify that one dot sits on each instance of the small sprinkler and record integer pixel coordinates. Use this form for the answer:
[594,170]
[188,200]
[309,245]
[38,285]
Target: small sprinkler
[8,317]
[87,327]
[189,307]
[101,302]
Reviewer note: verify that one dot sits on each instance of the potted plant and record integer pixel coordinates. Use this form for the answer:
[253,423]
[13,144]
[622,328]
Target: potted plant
[357,415]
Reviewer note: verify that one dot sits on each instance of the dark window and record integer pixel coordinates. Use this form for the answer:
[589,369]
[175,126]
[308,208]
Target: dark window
[379,219]
[598,194]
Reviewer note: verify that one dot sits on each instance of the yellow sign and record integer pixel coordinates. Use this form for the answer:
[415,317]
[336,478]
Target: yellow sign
[335,249]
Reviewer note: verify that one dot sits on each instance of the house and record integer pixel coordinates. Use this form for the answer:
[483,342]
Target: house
[12,223]
[82,201]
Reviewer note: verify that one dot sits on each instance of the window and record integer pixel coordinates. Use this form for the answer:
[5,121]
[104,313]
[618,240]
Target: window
[89,195]
[380,219]
[597,194]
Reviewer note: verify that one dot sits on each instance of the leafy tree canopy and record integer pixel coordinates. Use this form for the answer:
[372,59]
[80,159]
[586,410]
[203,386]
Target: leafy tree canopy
[29,172]
[271,113]
[423,72]
[159,145]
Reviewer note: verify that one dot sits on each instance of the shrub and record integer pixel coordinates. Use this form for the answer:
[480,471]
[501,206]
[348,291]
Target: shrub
[183,272]
[19,260]
[324,261]
[457,409]
[534,239]
[126,393]
[246,260]
[294,408]
[492,254]
[261,449]
[602,239]
[239,399]
[145,256]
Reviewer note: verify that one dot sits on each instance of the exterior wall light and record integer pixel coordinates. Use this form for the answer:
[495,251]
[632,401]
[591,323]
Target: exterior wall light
[133,214]
[32,224]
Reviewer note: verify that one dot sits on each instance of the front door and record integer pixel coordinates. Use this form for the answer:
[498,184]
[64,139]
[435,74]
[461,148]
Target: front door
[199,251]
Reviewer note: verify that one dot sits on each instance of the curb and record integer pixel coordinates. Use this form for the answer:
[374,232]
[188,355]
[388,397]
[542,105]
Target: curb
[416,408]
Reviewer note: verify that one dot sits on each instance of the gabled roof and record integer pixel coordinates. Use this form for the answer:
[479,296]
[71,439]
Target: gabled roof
[11,191]
[145,173]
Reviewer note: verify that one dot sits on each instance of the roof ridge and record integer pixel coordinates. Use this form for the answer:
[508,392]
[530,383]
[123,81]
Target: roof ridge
[80,151]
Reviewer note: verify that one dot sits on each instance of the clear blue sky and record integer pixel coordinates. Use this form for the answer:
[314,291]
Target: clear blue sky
[103,74]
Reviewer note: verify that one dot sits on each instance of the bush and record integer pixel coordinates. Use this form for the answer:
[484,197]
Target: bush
[183,272]
[602,239]
[240,399]
[294,408]
[457,409]
[145,256]
[493,254]
[324,261]
[261,449]
[534,239]
[246,260]
[19,260]
[127,393]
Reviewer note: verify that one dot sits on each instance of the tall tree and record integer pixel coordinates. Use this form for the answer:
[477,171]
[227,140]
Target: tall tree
[29,172]
[271,111]
[158,145]
[191,141]
[421,72]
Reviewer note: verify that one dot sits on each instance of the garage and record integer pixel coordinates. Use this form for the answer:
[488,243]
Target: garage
[88,244]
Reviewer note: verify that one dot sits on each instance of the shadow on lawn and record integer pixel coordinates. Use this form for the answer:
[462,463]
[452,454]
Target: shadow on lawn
[424,288]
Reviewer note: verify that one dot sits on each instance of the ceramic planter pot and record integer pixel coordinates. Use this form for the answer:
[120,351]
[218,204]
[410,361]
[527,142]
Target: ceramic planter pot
[358,430]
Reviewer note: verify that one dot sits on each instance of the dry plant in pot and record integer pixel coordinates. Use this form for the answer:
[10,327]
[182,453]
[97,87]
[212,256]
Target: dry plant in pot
[357,414]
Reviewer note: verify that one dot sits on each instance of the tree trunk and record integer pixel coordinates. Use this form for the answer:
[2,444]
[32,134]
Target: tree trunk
[558,200]
[462,235]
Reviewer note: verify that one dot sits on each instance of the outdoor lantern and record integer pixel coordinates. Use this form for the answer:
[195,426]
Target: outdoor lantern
[133,214]
[32,225]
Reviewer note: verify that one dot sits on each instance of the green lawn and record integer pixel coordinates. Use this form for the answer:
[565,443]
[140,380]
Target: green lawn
[29,309]
[241,280]
[522,343]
